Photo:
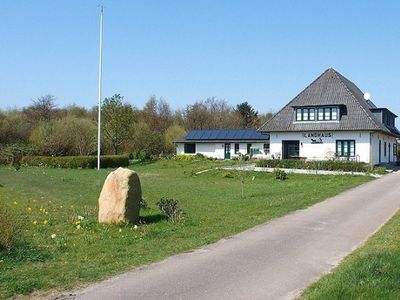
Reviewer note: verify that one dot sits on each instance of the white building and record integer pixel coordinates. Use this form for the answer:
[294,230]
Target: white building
[333,119]
[223,143]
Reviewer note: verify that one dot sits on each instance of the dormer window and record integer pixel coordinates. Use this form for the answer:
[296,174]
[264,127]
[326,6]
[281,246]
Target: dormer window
[317,114]
[305,114]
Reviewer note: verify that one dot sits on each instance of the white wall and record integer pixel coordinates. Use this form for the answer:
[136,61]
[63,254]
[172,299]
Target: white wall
[375,138]
[325,149]
[218,149]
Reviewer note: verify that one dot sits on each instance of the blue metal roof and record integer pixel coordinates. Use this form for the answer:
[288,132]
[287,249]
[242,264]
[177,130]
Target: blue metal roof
[227,134]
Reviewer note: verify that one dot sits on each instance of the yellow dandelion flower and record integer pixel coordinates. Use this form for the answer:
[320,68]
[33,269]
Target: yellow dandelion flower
[34,222]
[29,209]
[15,202]
[46,212]
[77,222]
[45,222]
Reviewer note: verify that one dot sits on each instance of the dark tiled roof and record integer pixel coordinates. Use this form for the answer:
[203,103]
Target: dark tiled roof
[224,135]
[330,88]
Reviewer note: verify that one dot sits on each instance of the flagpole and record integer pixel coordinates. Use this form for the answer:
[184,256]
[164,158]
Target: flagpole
[99,90]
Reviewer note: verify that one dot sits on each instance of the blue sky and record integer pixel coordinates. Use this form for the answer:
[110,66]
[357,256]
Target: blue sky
[263,52]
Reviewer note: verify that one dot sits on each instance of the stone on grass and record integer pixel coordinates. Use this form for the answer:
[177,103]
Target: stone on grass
[119,199]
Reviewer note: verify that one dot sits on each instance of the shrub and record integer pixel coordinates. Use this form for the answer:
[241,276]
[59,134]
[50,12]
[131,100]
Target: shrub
[227,174]
[379,170]
[143,203]
[280,174]
[188,157]
[183,157]
[10,228]
[171,209]
[74,162]
[329,165]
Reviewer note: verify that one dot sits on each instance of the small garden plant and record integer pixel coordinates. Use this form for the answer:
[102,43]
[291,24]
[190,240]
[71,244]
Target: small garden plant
[171,209]
[10,228]
[280,174]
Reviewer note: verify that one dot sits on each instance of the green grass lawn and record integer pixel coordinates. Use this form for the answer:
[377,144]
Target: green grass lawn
[49,202]
[371,272]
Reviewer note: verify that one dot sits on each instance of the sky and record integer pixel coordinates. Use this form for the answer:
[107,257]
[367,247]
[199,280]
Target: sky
[263,52]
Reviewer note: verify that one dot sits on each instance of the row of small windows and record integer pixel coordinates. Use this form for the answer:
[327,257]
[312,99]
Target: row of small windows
[317,114]
[190,148]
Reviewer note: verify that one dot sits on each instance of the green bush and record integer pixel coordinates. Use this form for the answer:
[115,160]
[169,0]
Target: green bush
[10,228]
[74,162]
[171,209]
[329,165]
[227,174]
[379,170]
[143,203]
[188,157]
[280,174]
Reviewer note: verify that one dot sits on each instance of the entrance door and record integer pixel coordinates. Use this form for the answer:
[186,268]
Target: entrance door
[291,149]
[227,151]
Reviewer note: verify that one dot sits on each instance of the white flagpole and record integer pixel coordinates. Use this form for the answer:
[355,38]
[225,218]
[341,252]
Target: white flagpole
[99,90]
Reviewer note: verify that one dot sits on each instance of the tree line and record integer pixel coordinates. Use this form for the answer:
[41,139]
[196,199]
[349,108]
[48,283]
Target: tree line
[43,128]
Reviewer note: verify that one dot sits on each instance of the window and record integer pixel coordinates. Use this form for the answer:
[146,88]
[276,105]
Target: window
[317,114]
[384,149]
[248,148]
[266,148]
[305,114]
[395,150]
[311,114]
[298,114]
[190,148]
[345,148]
[236,148]
[334,113]
[320,114]
[327,114]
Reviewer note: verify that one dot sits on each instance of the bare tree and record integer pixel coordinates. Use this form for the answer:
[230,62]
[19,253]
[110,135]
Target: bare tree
[42,109]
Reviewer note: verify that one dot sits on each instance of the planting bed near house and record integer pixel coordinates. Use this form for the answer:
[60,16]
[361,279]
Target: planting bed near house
[328,165]
[62,246]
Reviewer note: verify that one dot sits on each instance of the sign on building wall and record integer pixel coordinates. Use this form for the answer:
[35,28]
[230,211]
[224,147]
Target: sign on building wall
[316,137]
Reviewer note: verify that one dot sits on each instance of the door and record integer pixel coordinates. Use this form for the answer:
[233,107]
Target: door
[227,151]
[291,149]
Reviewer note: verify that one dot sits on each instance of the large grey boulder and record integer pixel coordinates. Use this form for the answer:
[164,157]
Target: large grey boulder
[119,199]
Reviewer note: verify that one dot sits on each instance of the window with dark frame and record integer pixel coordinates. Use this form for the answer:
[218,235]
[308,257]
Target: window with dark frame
[345,148]
[266,148]
[236,148]
[190,148]
[317,114]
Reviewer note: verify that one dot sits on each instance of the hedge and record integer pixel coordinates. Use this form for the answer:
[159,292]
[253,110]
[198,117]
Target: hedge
[329,165]
[74,162]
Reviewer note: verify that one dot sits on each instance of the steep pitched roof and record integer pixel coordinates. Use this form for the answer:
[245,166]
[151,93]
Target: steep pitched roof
[330,88]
